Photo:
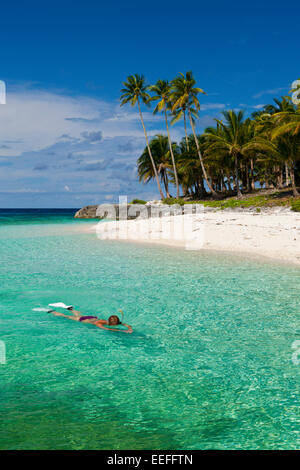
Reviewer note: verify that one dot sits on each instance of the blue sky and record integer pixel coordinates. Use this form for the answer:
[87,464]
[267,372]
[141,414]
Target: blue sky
[65,142]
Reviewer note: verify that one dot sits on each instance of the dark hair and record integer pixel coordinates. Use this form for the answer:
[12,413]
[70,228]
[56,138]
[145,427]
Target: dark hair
[114,320]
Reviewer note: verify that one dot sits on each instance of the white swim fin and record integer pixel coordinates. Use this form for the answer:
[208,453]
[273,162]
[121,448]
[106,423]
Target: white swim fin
[61,305]
[41,309]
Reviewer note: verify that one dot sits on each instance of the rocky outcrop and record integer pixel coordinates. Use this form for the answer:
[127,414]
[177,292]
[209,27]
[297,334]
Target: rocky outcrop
[87,212]
[112,211]
[116,212]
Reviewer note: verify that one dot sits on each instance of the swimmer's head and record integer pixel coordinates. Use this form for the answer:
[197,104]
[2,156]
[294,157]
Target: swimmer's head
[114,320]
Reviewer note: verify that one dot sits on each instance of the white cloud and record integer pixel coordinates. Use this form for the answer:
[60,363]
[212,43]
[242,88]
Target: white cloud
[124,116]
[272,91]
[33,120]
[209,106]
[46,136]
[258,106]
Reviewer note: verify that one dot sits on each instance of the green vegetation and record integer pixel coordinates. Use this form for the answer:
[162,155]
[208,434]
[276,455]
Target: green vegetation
[160,151]
[173,200]
[258,201]
[138,201]
[228,161]
[253,201]
[295,205]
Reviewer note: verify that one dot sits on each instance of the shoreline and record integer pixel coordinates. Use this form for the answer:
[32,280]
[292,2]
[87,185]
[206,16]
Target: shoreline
[274,236]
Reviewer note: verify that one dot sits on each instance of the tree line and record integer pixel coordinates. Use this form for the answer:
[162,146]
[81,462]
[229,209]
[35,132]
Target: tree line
[236,155]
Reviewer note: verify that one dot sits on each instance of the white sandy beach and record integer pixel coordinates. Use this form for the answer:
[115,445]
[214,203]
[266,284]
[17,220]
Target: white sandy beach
[274,234]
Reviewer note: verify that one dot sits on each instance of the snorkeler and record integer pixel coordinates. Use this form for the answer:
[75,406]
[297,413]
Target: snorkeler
[112,321]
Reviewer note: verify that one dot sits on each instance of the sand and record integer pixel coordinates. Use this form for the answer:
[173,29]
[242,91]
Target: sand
[273,234]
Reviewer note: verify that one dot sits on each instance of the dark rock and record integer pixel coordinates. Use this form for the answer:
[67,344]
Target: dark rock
[87,212]
[133,211]
[113,211]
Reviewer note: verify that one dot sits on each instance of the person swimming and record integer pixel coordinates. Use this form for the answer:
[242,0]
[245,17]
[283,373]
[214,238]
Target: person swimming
[93,320]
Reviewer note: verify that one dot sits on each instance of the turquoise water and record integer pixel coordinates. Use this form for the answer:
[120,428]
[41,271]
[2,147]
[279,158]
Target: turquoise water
[207,367]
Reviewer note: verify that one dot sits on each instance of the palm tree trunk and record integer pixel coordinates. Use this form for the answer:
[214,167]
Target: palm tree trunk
[213,192]
[237,180]
[281,176]
[279,184]
[186,136]
[150,154]
[223,186]
[287,179]
[252,174]
[228,182]
[172,155]
[292,175]
[166,182]
[247,178]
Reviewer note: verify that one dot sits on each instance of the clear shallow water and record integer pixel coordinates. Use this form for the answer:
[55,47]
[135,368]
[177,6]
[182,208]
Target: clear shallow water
[208,365]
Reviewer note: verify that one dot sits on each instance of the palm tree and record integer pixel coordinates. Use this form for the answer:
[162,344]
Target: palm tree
[184,96]
[276,151]
[220,160]
[189,168]
[287,122]
[229,140]
[162,93]
[289,146]
[286,131]
[134,91]
[277,142]
[283,105]
[263,125]
[160,151]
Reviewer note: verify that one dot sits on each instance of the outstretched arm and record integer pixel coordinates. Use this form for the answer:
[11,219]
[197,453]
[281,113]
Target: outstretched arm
[129,330]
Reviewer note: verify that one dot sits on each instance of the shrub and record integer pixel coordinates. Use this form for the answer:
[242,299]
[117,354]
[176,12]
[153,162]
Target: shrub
[138,201]
[295,205]
[173,200]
